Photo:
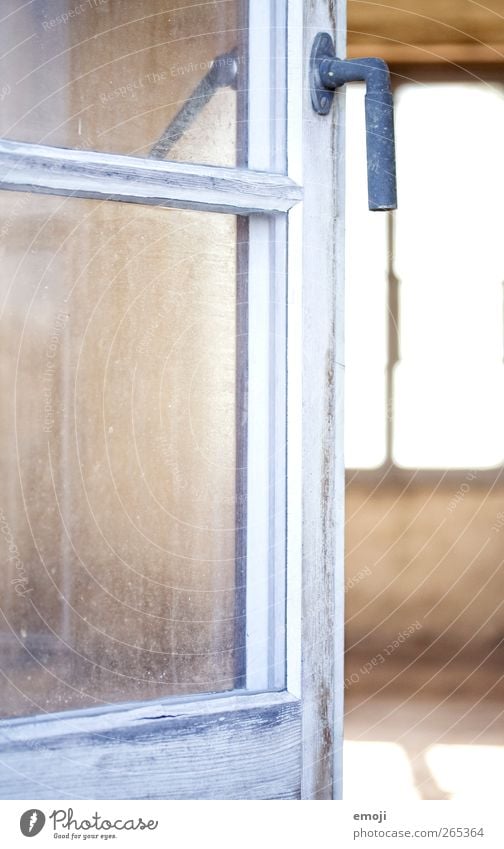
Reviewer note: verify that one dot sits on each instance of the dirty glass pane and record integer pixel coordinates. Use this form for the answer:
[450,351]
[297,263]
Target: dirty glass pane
[112,75]
[118,453]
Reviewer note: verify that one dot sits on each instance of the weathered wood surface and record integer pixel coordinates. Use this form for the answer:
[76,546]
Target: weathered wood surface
[105,176]
[323,467]
[230,747]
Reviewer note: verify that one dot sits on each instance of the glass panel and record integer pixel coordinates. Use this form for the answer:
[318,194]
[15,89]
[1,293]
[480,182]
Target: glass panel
[118,453]
[449,407]
[112,76]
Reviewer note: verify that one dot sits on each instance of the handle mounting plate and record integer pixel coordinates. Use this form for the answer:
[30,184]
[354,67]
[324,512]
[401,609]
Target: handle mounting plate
[321,97]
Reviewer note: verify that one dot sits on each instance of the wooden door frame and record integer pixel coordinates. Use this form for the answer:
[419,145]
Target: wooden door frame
[322,415]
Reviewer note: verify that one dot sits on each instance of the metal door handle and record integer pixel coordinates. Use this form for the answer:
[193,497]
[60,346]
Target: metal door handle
[328,73]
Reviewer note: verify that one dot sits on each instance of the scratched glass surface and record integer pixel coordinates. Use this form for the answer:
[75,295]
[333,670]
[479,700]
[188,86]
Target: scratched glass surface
[118,447]
[162,79]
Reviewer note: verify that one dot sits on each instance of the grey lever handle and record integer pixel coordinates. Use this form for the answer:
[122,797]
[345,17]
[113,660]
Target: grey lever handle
[328,73]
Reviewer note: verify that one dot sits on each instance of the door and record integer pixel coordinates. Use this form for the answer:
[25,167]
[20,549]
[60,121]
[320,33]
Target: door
[171,373]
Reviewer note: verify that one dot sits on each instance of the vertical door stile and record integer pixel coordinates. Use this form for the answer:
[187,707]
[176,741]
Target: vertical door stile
[322,456]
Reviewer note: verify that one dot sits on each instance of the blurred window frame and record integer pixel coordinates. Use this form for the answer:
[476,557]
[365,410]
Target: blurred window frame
[389,474]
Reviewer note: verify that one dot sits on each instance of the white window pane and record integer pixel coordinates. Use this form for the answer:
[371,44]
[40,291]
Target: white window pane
[449,409]
[448,417]
[366,319]
[449,163]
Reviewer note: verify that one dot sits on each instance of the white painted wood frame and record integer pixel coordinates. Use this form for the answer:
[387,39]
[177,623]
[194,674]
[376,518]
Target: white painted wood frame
[107,176]
[315,595]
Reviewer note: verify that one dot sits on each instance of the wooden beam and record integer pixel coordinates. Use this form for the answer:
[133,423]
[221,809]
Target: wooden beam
[436,53]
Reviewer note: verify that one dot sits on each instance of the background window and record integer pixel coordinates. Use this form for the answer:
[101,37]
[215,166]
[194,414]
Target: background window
[424,299]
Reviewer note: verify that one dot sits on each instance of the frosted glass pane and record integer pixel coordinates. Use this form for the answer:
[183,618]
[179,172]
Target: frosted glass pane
[111,76]
[118,379]
[449,163]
